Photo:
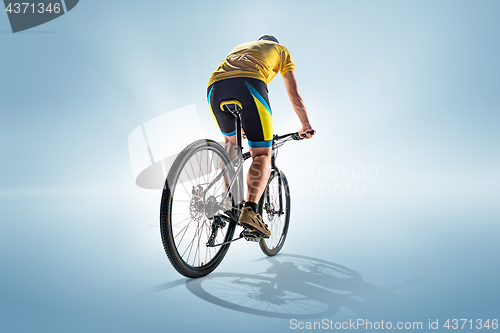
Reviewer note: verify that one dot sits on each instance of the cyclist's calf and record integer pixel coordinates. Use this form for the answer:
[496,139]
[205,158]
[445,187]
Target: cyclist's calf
[259,172]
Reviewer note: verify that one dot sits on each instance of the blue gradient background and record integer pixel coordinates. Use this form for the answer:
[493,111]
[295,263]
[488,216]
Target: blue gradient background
[411,87]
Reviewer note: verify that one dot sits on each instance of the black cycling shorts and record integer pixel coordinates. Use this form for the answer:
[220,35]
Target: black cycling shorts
[256,114]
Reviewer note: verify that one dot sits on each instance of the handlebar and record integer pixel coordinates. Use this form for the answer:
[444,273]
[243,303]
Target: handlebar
[276,138]
[294,136]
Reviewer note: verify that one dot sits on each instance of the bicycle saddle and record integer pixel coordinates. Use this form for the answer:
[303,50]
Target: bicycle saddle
[232,106]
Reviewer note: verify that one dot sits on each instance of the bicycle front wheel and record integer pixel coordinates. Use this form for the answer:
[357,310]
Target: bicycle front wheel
[274,207]
[193,194]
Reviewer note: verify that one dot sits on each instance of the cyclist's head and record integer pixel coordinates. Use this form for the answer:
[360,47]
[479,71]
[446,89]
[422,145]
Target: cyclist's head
[269,37]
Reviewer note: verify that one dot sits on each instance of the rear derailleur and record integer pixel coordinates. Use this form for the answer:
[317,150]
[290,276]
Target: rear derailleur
[219,222]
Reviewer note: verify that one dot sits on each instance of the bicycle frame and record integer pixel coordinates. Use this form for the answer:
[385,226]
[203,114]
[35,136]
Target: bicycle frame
[237,163]
[242,157]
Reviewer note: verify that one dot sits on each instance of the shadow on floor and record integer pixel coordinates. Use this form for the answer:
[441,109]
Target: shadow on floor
[295,286]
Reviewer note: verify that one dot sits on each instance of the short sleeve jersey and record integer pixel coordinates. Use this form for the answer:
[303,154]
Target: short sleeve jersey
[260,60]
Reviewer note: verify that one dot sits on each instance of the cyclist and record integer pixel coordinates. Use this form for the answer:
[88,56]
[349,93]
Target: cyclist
[243,76]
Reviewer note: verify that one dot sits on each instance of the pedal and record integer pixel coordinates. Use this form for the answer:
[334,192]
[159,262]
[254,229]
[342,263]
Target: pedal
[251,235]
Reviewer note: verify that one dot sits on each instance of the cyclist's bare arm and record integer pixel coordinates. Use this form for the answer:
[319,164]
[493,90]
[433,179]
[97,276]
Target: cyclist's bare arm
[297,103]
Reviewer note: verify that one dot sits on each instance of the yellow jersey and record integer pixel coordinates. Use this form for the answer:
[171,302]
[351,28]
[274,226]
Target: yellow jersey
[260,60]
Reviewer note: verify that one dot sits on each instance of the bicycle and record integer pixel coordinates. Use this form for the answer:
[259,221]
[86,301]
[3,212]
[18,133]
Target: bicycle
[200,204]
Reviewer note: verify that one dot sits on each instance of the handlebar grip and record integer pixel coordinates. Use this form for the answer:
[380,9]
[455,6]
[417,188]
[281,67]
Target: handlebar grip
[309,132]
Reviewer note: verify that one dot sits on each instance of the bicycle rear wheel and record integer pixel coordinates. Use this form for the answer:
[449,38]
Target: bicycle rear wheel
[192,195]
[274,207]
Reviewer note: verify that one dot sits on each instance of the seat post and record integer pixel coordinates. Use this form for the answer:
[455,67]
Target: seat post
[238,132]
[239,153]
[235,108]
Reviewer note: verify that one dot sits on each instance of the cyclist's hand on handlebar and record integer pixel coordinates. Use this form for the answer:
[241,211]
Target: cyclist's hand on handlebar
[306,132]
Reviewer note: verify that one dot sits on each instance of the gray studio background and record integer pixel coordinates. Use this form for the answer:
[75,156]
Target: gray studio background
[406,89]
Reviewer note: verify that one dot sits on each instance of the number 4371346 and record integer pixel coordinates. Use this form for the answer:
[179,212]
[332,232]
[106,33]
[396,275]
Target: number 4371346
[464,323]
[26,7]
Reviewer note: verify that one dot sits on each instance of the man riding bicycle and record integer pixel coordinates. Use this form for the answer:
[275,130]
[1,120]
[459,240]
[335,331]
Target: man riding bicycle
[243,76]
